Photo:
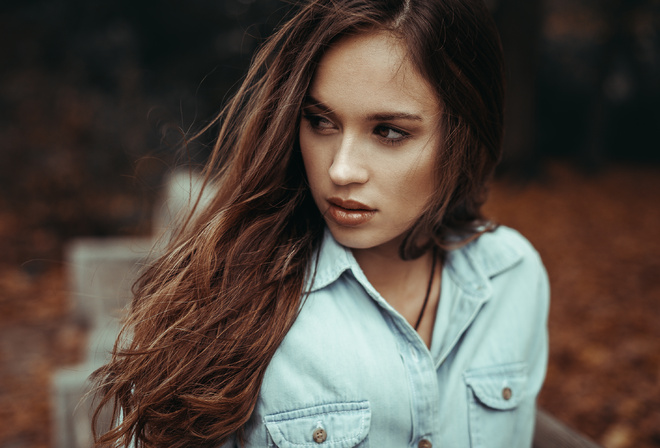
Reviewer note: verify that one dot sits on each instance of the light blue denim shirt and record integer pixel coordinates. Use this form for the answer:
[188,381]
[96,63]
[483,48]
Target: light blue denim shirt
[352,372]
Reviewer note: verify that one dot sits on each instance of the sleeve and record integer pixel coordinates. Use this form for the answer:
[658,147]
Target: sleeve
[539,344]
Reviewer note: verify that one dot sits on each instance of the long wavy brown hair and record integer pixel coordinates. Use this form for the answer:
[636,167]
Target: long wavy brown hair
[208,315]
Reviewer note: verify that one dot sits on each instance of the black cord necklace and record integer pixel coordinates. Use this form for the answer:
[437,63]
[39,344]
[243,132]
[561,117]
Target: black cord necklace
[428,290]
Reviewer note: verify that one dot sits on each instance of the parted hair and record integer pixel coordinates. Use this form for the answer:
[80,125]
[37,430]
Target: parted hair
[210,312]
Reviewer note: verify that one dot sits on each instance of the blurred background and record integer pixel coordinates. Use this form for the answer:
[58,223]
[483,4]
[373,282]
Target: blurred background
[97,97]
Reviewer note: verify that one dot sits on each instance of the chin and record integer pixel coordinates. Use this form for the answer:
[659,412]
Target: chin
[362,238]
[353,238]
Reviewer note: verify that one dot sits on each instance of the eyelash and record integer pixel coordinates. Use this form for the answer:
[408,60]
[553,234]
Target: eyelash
[391,141]
[315,120]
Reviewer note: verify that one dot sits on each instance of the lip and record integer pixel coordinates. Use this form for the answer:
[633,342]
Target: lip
[349,213]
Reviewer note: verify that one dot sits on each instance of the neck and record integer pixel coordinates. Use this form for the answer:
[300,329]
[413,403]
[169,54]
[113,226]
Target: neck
[398,281]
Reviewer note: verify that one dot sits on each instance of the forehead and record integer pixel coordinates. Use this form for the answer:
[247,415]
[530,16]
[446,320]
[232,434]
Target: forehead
[371,71]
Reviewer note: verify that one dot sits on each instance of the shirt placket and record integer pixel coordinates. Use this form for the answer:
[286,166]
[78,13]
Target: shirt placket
[422,382]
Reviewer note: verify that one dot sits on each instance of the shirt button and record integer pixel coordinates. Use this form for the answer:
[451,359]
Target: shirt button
[424,444]
[507,393]
[319,435]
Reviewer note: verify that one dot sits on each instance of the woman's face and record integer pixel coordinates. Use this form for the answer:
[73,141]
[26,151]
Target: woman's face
[369,137]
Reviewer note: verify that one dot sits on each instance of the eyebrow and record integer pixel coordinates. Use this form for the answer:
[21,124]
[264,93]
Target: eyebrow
[381,116]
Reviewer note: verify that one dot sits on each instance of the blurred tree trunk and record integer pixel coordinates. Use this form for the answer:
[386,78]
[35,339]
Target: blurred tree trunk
[520,30]
[618,76]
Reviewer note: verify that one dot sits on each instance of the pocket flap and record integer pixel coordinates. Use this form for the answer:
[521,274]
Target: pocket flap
[344,425]
[498,387]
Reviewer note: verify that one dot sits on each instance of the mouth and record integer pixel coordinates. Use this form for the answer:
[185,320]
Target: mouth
[350,205]
[349,213]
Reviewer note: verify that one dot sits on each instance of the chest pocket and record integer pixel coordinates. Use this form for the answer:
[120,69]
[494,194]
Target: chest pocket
[501,413]
[334,425]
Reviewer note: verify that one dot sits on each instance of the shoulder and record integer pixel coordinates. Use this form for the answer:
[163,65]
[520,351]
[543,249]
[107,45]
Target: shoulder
[514,270]
[501,250]
[500,262]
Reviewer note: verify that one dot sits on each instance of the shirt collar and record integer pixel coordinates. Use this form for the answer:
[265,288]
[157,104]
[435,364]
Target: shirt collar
[331,261]
[471,266]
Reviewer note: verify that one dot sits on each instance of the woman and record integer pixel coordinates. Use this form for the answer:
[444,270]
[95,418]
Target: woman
[342,287]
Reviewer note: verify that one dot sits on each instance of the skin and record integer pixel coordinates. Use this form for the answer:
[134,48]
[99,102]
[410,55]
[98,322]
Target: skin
[369,134]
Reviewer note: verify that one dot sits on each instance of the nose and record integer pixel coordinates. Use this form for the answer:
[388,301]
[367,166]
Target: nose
[349,164]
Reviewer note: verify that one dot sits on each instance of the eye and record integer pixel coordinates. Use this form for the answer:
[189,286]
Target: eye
[319,123]
[390,135]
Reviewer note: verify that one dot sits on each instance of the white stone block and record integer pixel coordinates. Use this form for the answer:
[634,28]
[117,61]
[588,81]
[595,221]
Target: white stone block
[181,192]
[102,273]
[73,406]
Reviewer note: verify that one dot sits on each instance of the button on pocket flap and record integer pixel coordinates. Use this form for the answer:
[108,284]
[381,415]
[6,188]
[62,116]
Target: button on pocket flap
[334,425]
[499,387]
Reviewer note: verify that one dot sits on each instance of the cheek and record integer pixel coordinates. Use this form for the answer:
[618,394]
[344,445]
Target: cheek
[417,185]
[423,183]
